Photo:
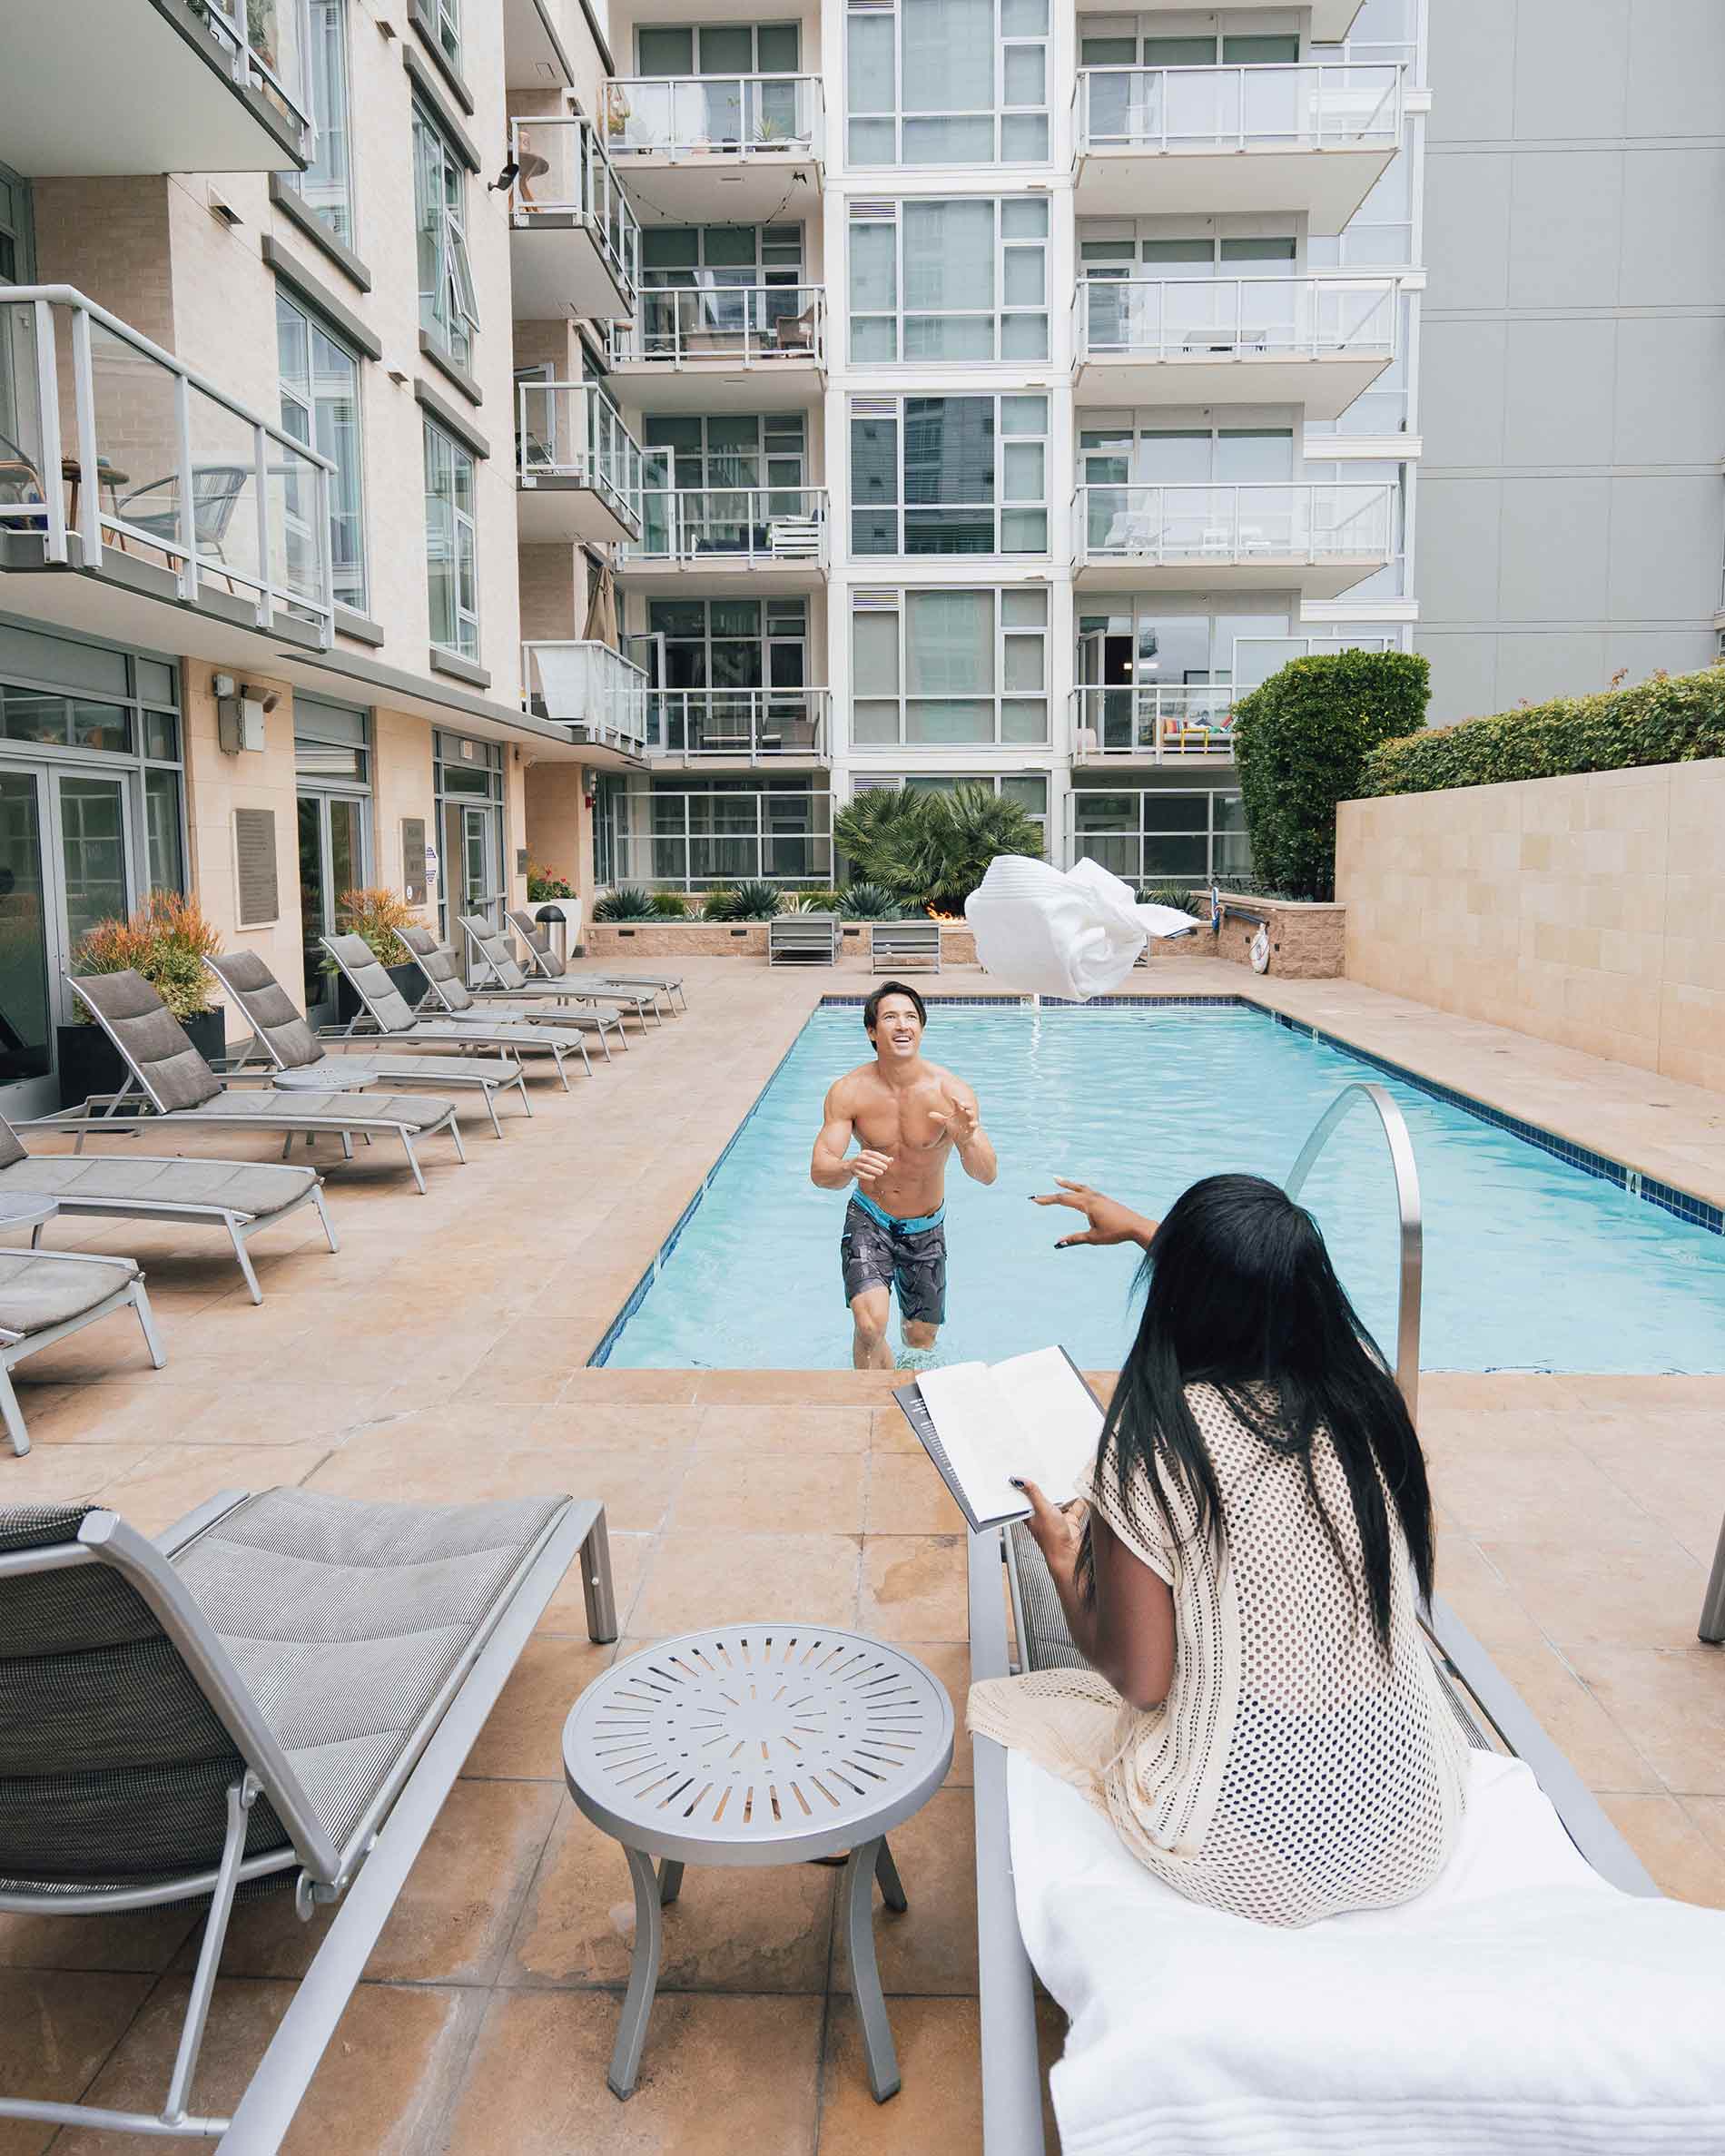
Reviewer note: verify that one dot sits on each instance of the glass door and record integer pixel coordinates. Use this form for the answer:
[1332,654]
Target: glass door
[331,862]
[28,962]
[92,852]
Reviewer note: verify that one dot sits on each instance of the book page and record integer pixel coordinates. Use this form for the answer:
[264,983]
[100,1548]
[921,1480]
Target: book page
[1030,1416]
[972,1419]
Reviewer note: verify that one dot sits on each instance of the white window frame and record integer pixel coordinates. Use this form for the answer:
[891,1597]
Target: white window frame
[998,114]
[455,292]
[871,601]
[892,408]
[314,325]
[329,16]
[461,523]
[866,211]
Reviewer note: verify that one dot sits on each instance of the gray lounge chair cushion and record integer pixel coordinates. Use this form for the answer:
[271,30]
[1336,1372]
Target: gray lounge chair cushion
[150,1039]
[436,962]
[379,993]
[258,1188]
[537,940]
[12,1150]
[276,1111]
[268,1008]
[39,1292]
[498,954]
[433,1070]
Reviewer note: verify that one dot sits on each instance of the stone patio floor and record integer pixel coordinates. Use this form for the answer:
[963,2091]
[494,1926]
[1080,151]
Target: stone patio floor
[441,1355]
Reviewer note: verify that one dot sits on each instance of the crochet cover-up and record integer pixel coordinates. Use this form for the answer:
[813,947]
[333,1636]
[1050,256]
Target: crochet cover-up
[1293,1772]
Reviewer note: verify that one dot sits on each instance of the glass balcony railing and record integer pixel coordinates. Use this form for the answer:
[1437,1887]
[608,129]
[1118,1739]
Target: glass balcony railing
[562,172]
[747,116]
[757,723]
[693,841]
[737,325]
[264,44]
[1295,520]
[782,525]
[589,685]
[1295,106]
[573,433]
[1243,318]
[108,441]
[1160,722]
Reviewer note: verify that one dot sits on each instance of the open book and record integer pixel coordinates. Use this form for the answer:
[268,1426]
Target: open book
[1032,1416]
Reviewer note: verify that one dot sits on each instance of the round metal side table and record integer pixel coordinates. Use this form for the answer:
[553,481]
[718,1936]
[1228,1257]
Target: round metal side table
[758,1744]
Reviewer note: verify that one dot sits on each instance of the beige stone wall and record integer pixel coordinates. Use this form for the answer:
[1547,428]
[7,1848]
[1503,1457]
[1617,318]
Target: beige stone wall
[1308,942]
[1589,911]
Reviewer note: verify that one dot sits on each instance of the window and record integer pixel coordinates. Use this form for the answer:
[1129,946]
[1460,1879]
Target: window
[1205,50]
[717,48]
[321,408]
[326,185]
[448,312]
[728,644]
[718,255]
[442,18]
[1030,789]
[451,545]
[1149,835]
[18,255]
[933,666]
[949,475]
[932,281]
[947,81]
[729,451]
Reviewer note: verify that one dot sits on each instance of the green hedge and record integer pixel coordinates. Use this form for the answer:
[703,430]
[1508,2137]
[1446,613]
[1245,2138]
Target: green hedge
[1672,719]
[1300,740]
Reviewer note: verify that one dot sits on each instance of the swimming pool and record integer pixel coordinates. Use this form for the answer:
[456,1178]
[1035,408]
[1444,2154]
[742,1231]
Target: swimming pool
[1531,1263]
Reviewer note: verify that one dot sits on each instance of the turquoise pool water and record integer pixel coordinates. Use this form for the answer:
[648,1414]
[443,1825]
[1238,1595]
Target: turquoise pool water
[1531,1264]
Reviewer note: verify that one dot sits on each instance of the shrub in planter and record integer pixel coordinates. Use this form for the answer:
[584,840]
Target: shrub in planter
[719,903]
[863,827]
[816,902]
[868,901]
[542,885]
[1301,740]
[375,914]
[940,854]
[167,940]
[753,900]
[670,905]
[1670,719]
[629,903]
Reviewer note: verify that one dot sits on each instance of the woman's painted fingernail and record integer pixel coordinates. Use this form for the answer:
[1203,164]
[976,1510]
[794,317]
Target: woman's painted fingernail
[1016,1482]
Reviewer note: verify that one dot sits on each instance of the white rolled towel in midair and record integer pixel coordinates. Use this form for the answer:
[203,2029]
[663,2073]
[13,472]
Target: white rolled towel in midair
[1077,932]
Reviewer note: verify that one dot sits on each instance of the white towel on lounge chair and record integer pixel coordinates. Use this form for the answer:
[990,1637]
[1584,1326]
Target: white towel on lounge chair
[1520,2005]
[1077,933]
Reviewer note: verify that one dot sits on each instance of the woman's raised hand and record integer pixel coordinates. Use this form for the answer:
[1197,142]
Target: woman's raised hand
[1108,1220]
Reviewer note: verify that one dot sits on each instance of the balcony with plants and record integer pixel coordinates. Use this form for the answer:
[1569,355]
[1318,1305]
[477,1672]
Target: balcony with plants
[575,242]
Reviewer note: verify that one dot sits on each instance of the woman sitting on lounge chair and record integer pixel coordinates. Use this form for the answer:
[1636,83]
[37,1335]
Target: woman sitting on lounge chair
[1261,1721]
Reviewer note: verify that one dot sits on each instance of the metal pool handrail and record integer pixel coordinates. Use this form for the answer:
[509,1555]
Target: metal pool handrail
[1407,1201]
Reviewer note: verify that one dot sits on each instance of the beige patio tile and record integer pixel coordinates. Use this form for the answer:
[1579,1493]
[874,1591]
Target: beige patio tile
[1671,1705]
[144,1940]
[1590,1595]
[929,1946]
[433,1466]
[628,1386]
[1541,1491]
[630,1555]
[790,1492]
[621,1425]
[793,1388]
[720,2075]
[522,1738]
[940,2103]
[889,1432]
[55,2030]
[779,1430]
[906,1497]
[1682,1860]
[115,1410]
[949,1662]
[1575,1721]
[913,1587]
[174,1480]
[696,1580]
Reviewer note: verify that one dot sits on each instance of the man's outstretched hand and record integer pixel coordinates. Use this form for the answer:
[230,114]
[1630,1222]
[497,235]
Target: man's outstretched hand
[1108,1220]
[959,1121]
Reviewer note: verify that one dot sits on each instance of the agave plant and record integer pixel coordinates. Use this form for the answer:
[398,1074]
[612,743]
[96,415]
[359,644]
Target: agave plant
[816,902]
[628,903]
[868,901]
[941,855]
[754,901]
[719,903]
[865,826]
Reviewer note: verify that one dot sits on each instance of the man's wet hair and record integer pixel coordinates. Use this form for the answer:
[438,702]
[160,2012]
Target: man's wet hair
[871,1009]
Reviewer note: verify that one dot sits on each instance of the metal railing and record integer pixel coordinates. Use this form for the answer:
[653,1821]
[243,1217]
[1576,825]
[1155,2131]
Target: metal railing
[761,725]
[589,684]
[1163,723]
[562,172]
[765,524]
[1408,1205]
[127,449]
[1234,318]
[572,432]
[732,324]
[736,115]
[1286,520]
[1292,105]
[265,44]
[692,841]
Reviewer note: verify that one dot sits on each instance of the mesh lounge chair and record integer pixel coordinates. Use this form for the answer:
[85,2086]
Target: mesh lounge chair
[499,977]
[172,1081]
[385,1011]
[544,963]
[279,1032]
[284,1687]
[242,1195]
[452,996]
[44,1296]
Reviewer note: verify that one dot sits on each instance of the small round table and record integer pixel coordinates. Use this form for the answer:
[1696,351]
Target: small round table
[759,1744]
[25,1208]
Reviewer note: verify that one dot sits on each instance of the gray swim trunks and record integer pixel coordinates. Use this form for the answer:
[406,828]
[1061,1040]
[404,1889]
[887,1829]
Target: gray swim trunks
[878,1251]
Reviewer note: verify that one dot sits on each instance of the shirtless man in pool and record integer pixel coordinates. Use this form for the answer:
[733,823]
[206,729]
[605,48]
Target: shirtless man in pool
[907,1116]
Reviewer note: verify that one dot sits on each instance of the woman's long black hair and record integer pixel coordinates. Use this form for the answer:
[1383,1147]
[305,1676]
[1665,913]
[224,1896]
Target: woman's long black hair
[1240,1294]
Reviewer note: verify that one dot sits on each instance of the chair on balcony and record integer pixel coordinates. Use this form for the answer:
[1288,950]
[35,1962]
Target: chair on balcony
[794,334]
[216,489]
[794,538]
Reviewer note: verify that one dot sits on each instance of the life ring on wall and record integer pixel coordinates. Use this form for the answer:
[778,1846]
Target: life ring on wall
[1261,949]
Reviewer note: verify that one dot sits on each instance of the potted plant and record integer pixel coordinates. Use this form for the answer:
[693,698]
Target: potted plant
[375,914]
[165,941]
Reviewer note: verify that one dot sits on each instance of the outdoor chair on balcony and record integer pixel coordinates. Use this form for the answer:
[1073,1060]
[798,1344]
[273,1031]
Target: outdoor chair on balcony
[384,1011]
[794,334]
[280,1692]
[216,489]
[44,1296]
[168,1081]
[577,1003]
[280,1035]
[546,965]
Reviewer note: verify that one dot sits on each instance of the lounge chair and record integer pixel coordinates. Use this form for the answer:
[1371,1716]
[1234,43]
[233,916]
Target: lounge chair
[281,1033]
[386,1012]
[244,1196]
[447,989]
[813,938]
[169,1080]
[893,944]
[545,964]
[45,1295]
[500,979]
[282,1688]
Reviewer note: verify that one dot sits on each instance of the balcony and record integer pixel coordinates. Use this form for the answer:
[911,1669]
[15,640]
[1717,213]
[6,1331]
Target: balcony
[1331,19]
[574,244]
[721,728]
[708,347]
[578,466]
[1160,723]
[757,136]
[594,691]
[139,501]
[711,537]
[1205,140]
[1318,342]
[1317,538]
[691,841]
[123,86]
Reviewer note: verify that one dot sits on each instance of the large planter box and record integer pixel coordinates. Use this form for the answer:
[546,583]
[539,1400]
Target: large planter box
[409,985]
[90,1063]
[1308,939]
[621,940]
